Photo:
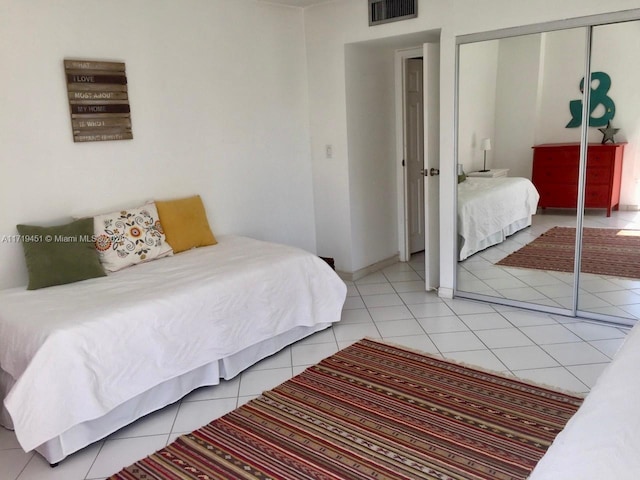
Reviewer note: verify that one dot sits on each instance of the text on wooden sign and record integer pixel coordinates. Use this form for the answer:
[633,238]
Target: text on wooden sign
[98,100]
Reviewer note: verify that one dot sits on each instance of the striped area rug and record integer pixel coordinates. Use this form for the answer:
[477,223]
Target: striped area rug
[374,411]
[605,251]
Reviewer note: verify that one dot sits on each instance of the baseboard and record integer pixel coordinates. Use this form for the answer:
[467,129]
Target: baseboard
[445,292]
[363,272]
[629,208]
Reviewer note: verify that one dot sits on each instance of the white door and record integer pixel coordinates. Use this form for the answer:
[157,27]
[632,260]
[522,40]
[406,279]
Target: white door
[431,86]
[414,153]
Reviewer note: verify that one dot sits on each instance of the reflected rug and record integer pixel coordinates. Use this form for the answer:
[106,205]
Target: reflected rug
[374,411]
[605,251]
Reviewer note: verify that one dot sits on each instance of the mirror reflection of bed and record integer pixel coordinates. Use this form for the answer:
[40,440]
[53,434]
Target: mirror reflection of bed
[492,209]
[515,92]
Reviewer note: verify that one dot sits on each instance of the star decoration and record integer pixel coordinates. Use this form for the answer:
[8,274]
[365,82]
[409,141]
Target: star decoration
[608,133]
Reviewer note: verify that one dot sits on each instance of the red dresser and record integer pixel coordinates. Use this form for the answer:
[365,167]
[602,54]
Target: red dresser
[555,175]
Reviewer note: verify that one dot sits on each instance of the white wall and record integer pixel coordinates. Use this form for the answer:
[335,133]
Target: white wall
[371,136]
[477,103]
[498,99]
[219,105]
[328,125]
[564,58]
[330,26]
[517,106]
[622,40]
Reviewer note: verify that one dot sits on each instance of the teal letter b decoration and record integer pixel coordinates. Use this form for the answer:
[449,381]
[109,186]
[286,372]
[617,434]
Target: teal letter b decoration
[598,97]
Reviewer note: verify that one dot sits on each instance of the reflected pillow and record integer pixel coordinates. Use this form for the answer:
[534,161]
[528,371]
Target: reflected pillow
[60,254]
[129,237]
[185,223]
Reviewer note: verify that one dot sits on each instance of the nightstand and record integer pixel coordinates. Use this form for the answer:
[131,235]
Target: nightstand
[493,173]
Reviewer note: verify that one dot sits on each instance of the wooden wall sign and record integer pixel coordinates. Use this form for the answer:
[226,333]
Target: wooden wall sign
[98,100]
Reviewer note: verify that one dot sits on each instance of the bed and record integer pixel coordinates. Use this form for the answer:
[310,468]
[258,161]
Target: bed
[491,209]
[602,440]
[80,361]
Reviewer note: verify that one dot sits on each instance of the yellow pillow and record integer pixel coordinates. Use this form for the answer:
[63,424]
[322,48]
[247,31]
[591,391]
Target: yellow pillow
[185,224]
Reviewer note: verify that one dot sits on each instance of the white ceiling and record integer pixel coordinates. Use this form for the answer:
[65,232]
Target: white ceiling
[297,3]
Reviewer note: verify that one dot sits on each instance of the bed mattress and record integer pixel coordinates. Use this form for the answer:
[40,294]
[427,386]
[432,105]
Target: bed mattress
[71,354]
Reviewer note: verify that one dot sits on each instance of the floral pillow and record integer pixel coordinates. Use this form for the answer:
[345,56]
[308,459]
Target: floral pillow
[129,237]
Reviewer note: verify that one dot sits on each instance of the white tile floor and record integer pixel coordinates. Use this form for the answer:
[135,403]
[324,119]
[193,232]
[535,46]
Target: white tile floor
[390,304]
[600,294]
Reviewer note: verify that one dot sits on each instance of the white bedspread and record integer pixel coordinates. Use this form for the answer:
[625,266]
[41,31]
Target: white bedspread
[77,351]
[602,440]
[487,206]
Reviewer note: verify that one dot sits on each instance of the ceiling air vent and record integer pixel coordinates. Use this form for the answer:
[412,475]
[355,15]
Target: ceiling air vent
[384,11]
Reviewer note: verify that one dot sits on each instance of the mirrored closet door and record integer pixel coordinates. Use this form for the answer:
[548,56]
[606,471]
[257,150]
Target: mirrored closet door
[533,179]
[510,97]
[610,251]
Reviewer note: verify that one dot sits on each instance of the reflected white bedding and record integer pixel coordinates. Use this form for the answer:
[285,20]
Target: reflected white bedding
[76,352]
[490,209]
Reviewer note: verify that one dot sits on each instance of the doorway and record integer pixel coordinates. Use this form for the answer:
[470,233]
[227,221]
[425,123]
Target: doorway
[414,154]
[417,101]
[375,147]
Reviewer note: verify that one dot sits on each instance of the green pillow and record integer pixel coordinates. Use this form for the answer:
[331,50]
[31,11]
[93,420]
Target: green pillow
[60,254]
[462,177]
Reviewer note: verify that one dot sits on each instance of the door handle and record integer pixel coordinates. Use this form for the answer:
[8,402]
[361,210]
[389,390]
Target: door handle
[434,171]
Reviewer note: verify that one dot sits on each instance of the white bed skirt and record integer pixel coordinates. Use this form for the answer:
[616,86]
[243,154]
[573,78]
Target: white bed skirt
[158,397]
[498,237]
